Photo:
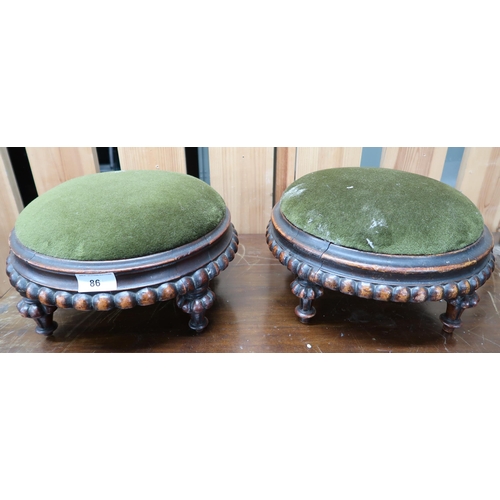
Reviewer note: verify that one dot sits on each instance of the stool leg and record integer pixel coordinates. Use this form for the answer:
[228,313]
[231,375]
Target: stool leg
[196,303]
[306,292]
[42,314]
[454,309]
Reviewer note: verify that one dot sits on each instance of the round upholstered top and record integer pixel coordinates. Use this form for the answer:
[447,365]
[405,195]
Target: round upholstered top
[382,210]
[119,215]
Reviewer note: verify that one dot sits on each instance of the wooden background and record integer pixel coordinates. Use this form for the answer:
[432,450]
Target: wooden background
[250,180]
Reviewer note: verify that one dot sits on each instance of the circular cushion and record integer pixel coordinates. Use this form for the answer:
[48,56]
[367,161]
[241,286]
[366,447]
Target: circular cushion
[382,210]
[120,215]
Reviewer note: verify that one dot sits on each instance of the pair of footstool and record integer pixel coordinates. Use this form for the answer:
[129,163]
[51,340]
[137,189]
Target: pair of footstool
[126,239]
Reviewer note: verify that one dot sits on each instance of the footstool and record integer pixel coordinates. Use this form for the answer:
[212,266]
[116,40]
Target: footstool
[120,240]
[381,234]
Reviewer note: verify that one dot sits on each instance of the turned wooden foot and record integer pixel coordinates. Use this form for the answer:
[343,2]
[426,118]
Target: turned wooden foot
[42,314]
[454,309]
[306,292]
[196,303]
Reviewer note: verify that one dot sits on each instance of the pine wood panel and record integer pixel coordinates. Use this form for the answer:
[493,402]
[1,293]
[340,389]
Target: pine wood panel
[10,206]
[312,159]
[171,159]
[479,179]
[285,170]
[52,166]
[423,161]
[244,178]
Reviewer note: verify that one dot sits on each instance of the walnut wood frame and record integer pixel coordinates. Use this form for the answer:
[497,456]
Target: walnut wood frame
[318,264]
[183,274]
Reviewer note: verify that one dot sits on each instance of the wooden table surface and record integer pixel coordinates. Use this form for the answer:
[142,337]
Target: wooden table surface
[254,312]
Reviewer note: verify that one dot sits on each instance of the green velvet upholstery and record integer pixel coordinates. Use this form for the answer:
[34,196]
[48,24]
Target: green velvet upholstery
[382,210]
[119,215]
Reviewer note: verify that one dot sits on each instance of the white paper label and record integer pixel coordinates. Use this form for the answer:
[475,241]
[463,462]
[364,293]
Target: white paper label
[96,282]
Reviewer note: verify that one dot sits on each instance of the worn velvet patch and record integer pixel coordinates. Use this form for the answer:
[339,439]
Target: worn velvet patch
[119,215]
[382,210]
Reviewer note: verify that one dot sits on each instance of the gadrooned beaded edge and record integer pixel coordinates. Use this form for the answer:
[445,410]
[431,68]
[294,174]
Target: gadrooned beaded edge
[126,299]
[377,291]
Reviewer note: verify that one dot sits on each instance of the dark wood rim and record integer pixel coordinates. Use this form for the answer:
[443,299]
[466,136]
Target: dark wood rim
[130,273]
[51,295]
[400,278]
[163,276]
[168,257]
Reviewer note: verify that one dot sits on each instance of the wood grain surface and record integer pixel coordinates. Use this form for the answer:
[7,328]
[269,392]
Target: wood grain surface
[254,312]
[479,179]
[52,166]
[244,178]
[10,206]
[423,161]
[285,170]
[312,159]
[171,159]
